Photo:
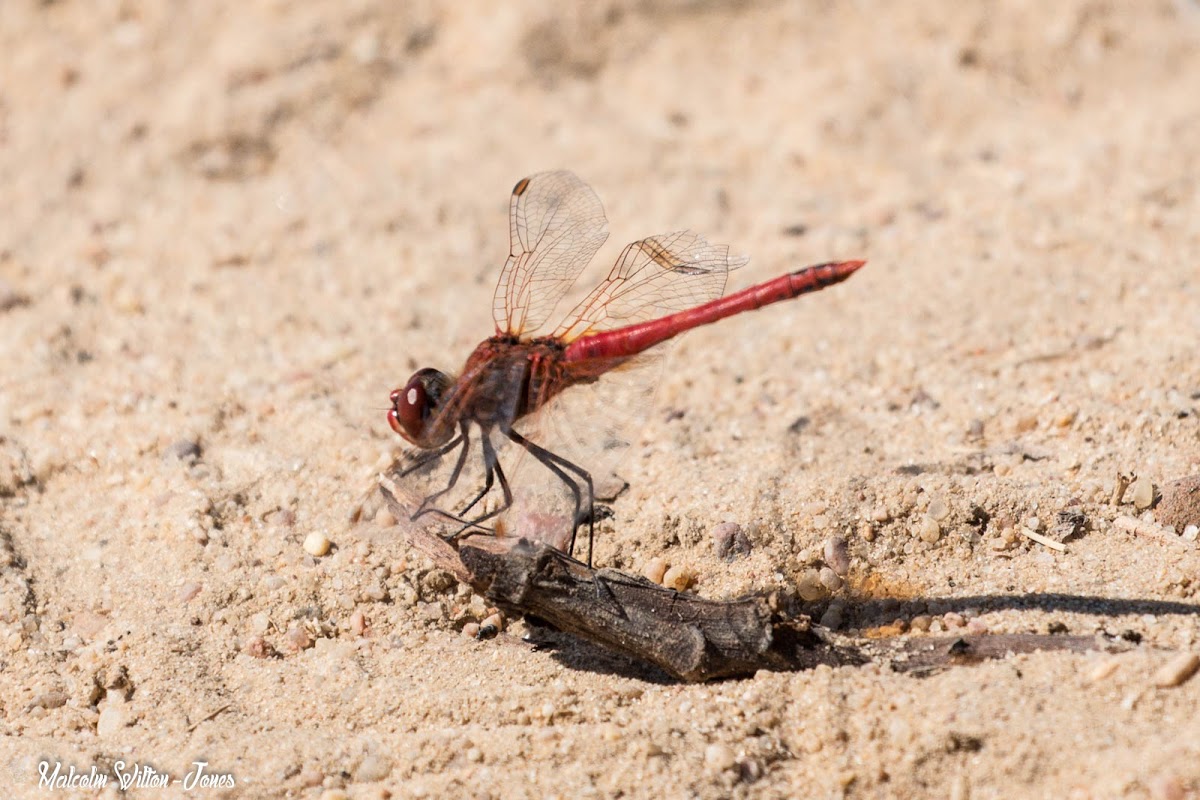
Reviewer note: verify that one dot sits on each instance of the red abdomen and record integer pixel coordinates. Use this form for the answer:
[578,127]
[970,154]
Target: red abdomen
[633,339]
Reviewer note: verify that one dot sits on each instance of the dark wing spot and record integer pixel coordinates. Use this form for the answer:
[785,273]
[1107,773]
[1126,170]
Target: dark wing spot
[659,254]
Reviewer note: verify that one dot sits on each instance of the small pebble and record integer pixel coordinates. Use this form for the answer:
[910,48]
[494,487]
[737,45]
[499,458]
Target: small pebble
[471,630]
[373,768]
[1103,670]
[1068,523]
[920,622]
[297,638]
[183,450]
[281,518]
[1034,524]
[750,769]
[938,509]
[679,578]
[1177,670]
[1067,418]
[952,619]
[366,47]
[1026,424]
[311,777]
[317,544]
[929,530]
[730,541]
[10,298]
[837,555]
[48,700]
[358,623]
[188,591]
[1143,493]
[257,647]
[495,621]
[829,579]
[435,582]
[654,570]
[833,616]
[112,719]
[977,627]
[719,757]
[1168,787]
[1180,504]
[478,609]
[809,586]
[1191,533]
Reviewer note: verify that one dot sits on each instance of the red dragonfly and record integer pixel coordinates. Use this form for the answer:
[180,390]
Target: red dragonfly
[658,288]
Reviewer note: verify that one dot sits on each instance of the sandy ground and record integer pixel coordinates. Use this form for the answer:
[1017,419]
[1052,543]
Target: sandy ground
[230,229]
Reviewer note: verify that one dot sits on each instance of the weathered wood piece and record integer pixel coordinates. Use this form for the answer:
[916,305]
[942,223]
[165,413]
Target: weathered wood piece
[690,637]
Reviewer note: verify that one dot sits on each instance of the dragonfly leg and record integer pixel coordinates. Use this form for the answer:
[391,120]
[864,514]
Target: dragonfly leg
[604,593]
[493,472]
[491,464]
[429,458]
[488,481]
[557,464]
[458,467]
[493,468]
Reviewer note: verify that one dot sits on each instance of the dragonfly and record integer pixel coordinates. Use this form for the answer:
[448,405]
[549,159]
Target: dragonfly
[658,288]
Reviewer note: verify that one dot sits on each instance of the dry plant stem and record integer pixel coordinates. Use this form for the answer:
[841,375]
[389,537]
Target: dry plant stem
[1122,483]
[691,638]
[1149,530]
[1045,541]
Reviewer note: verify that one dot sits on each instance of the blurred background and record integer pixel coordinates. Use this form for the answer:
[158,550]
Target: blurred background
[255,195]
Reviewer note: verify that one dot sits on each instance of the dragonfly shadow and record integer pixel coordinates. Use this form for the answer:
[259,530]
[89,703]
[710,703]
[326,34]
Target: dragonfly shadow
[582,656]
[867,613]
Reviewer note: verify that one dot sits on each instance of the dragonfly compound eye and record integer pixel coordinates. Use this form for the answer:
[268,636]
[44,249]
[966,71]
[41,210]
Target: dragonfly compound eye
[415,404]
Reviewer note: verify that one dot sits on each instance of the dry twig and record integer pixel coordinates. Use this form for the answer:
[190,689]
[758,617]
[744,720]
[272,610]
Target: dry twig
[690,637]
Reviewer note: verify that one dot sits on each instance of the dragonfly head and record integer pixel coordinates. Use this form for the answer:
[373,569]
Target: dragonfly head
[416,405]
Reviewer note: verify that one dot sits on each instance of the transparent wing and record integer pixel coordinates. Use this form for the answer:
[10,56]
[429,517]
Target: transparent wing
[654,277]
[592,426]
[595,422]
[556,225]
